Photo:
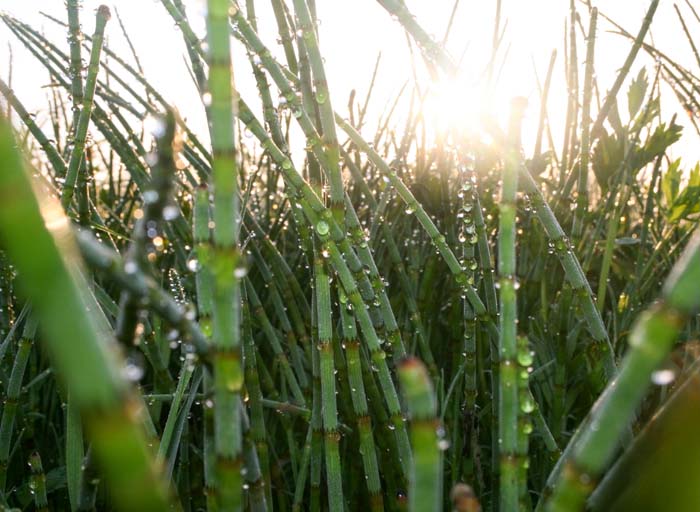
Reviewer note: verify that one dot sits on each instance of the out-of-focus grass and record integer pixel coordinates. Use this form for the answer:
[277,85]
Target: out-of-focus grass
[228,329]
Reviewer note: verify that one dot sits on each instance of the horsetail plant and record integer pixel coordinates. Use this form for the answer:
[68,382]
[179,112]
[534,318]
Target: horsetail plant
[651,340]
[582,197]
[326,368]
[77,153]
[272,287]
[38,483]
[9,412]
[75,38]
[508,404]
[425,486]
[322,97]
[351,346]
[34,238]
[225,264]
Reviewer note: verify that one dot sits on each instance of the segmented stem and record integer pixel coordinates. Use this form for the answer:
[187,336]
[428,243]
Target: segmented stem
[651,340]
[39,244]
[11,401]
[507,343]
[228,368]
[80,136]
[425,492]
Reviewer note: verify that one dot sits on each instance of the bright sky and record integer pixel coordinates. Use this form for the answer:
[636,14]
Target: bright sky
[353,32]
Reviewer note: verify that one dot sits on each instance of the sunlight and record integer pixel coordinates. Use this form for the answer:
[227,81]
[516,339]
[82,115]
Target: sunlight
[455,104]
[466,107]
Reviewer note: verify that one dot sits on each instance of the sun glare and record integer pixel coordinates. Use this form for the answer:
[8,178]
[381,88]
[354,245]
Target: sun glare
[454,104]
[467,107]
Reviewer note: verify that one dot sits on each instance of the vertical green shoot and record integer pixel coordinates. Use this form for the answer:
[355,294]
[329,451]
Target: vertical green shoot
[507,344]
[329,408]
[80,136]
[584,158]
[228,368]
[425,492]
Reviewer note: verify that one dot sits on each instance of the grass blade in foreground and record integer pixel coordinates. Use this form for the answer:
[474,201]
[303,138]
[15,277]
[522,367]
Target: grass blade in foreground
[424,494]
[651,340]
[660,470]
[41,244]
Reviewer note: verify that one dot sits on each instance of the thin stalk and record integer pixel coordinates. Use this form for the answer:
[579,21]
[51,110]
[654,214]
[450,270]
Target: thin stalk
[582,197]
[257,432]
[75,452]
[322,96]
[257,309]
[75,38]
[77,154]
[12,393]
[425,492]
[228,368]
[49,148]
[507,342]
[651,339]
[37,483]
[170,423]
[351,346]
[329,408]
[43,248]
[600,349]
[431,48]
[611,97]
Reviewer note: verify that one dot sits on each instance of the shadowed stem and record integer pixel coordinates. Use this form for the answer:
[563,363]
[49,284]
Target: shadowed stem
[508,404]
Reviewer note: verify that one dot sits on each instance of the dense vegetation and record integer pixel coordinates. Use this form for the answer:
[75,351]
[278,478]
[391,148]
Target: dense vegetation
[400,322]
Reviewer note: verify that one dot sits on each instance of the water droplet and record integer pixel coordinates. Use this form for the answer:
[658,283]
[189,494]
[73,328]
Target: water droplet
[527,405]
[663,377]
[193,265]
[155,125]
[322,228]
[171,212]
[524,358]
[150,196]
[132,371]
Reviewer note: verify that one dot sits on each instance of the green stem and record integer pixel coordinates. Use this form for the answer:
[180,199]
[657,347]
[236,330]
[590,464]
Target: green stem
[11,402]
[77,154]
[651,340]
[425,492]
[37,483]
[507,342]
[329,408]
[582,197]
[228,368]
[43,250]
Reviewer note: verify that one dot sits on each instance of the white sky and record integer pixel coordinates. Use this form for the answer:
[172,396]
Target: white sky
[353,32]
